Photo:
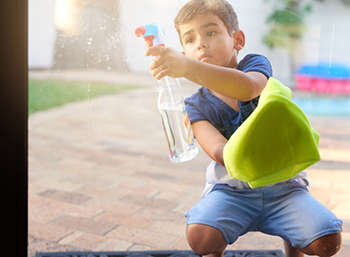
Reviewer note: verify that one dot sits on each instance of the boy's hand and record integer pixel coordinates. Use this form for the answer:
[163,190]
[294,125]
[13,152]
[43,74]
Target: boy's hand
[169,62]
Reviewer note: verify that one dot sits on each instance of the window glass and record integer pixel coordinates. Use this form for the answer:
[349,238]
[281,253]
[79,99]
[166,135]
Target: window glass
[99,174]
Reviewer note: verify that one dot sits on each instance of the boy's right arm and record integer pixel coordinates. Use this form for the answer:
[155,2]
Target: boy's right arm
[210,139]
[229,82]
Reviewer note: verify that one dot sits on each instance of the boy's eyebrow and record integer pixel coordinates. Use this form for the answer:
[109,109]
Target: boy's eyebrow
[209,24]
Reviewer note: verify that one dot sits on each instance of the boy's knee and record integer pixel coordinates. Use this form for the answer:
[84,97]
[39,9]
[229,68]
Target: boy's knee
[324,246]
[205,239]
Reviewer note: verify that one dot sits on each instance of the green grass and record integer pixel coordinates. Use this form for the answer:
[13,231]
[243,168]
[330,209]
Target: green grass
[46,94]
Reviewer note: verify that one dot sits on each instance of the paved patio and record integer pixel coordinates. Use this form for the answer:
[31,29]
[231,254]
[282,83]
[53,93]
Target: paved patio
[100,178]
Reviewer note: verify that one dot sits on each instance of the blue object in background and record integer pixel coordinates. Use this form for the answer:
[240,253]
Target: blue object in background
[324,78]
[325,70]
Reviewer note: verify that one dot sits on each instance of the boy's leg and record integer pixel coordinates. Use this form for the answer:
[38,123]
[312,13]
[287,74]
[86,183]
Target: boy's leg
[208,241]
[220,218]
[326,246]
[300,219]
[205,240]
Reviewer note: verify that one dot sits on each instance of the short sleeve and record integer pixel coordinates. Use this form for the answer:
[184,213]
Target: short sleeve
[255,62]
[193,112]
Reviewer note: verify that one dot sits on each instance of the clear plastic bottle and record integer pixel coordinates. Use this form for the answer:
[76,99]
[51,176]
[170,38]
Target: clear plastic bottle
[175,120]
[171,104]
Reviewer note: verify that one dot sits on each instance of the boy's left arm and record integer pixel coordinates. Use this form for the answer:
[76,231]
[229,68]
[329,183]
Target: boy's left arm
[210,140]
[229,82]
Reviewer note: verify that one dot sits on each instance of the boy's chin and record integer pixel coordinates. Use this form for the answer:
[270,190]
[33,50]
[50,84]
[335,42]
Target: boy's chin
[210,61]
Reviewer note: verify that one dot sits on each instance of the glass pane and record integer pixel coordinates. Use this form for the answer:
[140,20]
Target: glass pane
[99,174]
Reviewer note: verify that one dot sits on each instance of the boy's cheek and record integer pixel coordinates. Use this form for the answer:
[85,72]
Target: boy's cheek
[189,52]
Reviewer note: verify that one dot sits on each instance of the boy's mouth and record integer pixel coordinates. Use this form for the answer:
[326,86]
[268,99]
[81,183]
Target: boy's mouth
[204,57]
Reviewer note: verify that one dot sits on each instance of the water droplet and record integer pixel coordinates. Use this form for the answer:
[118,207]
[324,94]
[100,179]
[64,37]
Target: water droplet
[89,109]
[89,42]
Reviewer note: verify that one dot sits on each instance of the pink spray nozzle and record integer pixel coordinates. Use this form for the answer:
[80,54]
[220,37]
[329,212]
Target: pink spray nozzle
[152,33]
[140,31]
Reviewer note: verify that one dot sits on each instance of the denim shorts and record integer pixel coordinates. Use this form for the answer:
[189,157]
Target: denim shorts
[288,211]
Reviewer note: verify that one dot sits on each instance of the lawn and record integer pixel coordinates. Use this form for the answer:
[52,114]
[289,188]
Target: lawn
[46,94]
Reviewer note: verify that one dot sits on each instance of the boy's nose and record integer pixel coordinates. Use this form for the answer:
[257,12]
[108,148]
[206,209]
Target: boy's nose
[201,44]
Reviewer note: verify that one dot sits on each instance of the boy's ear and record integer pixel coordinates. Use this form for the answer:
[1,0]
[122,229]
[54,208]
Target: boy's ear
[239,38]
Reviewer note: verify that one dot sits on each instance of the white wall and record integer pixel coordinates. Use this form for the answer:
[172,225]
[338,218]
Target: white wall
[41,33]
[318,41]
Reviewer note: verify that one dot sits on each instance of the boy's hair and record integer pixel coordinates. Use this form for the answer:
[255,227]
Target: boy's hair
[220,8]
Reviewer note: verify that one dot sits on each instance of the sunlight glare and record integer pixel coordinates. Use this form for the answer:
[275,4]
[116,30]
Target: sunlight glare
[64,16]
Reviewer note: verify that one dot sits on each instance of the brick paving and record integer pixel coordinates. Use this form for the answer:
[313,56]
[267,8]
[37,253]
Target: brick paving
[100,179]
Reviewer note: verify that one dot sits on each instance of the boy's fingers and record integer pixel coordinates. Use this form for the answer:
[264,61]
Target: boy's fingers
[158,50]
[156,63]
[160,75]
[156,72]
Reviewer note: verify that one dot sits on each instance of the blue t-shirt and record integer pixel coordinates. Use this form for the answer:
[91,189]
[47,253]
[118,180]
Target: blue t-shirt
[203,105]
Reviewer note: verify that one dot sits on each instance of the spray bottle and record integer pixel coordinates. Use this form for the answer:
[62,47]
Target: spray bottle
[171,104]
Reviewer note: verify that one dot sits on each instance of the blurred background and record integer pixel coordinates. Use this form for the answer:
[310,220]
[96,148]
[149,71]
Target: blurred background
[99,175]
[67,34]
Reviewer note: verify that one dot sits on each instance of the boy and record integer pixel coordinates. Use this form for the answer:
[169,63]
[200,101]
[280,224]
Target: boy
[229,208]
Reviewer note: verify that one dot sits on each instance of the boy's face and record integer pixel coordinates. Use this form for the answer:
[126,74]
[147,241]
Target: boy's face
[205,38]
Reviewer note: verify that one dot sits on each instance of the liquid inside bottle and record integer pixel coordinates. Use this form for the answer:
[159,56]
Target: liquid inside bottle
[176,122]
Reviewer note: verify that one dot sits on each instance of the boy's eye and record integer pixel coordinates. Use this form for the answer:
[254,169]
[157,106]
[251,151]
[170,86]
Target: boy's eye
[211,33]
[189,40]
